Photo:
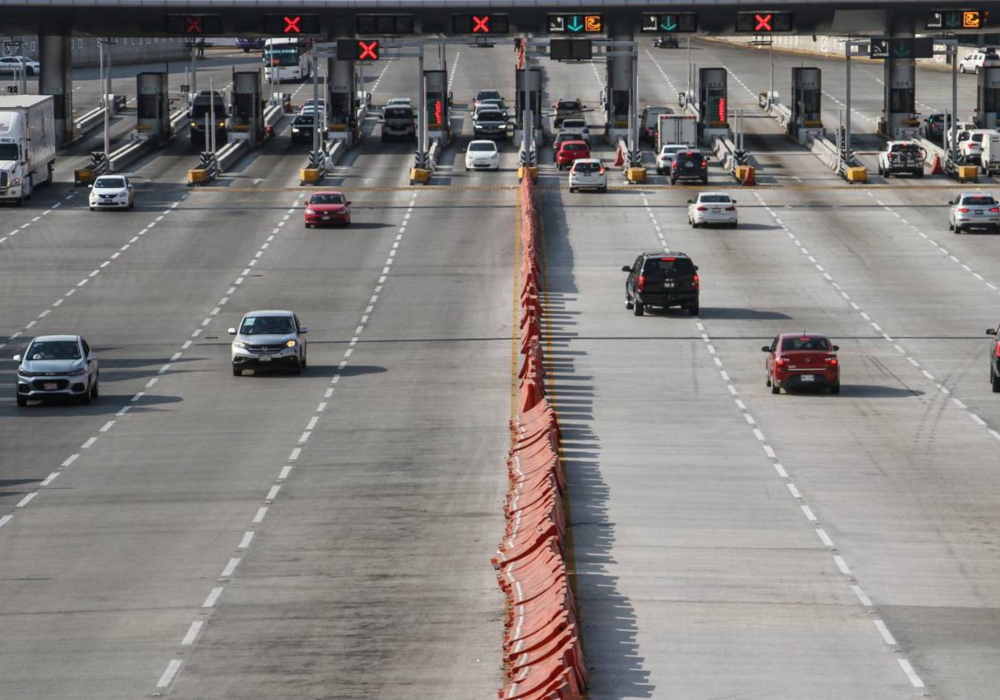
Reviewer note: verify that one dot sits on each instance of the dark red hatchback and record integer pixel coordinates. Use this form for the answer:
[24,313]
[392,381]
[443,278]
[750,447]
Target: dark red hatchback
[802,360]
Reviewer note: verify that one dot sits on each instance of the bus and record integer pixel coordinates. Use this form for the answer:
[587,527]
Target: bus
[287,59]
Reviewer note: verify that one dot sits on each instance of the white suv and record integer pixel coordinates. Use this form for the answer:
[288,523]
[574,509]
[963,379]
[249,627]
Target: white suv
[19,64]
[588,173]
[974,61]
[267,339]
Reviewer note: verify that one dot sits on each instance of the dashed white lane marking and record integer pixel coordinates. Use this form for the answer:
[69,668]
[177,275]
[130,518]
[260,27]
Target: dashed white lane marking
[911,674]
[230,567]
[26,500]
[862,596]
[193,631]
[884,631]
[168,676]
[247,539]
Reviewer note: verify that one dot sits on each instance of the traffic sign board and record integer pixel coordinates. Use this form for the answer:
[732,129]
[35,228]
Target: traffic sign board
[668,23]
[576,24]
[480,24]
[955,20]
[194,25]
[382,25]
[357,50]
[900,47]
[292,25]
[763,22]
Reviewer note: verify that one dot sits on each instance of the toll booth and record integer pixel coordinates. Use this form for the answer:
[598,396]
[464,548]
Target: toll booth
[342,90]
[247,114]
[988,97]
[900,120]
[807,91]
[713,103]
[535,100]
[438,119]
[153,108]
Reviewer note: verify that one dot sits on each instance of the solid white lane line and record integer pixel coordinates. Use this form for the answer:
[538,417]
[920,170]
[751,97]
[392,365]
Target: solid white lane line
[192,633]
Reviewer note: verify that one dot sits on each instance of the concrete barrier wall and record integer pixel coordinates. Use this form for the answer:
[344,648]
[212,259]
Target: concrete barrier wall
[127,50]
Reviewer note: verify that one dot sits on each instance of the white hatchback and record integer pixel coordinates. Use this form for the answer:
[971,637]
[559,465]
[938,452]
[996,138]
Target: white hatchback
[665,158]
[712,208]
[588,174]
[482,155]
[111,192]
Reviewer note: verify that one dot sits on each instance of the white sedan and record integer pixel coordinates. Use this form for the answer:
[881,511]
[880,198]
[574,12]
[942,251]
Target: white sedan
[482,154]
[665,158]
[111,192]
[712,208]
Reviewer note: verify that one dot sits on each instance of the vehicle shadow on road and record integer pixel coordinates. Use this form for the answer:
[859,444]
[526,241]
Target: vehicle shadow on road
[607,616]
[729,313]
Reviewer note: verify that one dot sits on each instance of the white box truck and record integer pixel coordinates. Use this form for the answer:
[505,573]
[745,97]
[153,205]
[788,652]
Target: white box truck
[676,128]
[27,144]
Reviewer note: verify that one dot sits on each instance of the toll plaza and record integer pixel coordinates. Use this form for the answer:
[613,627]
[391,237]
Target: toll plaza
[806,103]
[713,103]
[987,115]
[153,107]
[246,122]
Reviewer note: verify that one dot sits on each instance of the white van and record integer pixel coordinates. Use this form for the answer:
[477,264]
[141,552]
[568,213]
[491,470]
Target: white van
[989,158]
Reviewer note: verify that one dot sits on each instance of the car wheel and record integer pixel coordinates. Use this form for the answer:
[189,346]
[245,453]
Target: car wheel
[767,379]
[775,389]
[994,380]
[85,399]
[961,69]
[638,308]
[572,190]
[92,209]
[694,309]
[835,389]
[22,401]
[604,189]
[237,372]
[951,226]
[297,370]
[131,204]
[95,390]
[673,181]
[309,225]
[958,229]
[628,303]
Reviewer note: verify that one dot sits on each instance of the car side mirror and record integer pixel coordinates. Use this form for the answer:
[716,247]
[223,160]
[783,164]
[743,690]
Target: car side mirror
[836,348]
[17,358]
[734,201]
[625,268]
[690,201]
[91,187]
[696,268]
[766,348]
[989,331]
[232,331]
[348,202]
[303,330]
[92,356]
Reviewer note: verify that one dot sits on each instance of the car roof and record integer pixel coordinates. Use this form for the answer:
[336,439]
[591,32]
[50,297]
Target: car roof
[702,194]
[573,141]
[328,192]
[824,336]
[489,141]
[268,312]
[975,194]
[668,254]
[48,338]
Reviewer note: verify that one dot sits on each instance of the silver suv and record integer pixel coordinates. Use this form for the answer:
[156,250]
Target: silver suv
[269,339]
[57,366]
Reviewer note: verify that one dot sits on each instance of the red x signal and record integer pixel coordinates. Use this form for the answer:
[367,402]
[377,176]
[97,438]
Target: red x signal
[763,23]
[481,25]
[292,25]
[193,25]
[368,50]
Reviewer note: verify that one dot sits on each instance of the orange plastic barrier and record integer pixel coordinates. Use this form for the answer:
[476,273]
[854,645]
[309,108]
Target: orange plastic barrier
[542,652]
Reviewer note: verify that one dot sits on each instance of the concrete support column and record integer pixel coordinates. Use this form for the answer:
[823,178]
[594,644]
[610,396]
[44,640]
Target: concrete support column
[341,104]
[620,82]
[56,56]
[900,75]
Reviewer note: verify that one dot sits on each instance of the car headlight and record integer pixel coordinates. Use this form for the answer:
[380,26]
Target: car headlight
[239,344]
[310,212]
[194,124]
[77,372]
[290,344]
[295,129]
[26,373]
[15,182]
[222,125]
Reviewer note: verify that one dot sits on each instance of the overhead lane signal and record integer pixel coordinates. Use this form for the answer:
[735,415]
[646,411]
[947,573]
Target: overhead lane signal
[763,22]
[955,20]
[358,50]
[576,24]
[668,23]
[194,25]
[292,25]
[385,25]
[485,24]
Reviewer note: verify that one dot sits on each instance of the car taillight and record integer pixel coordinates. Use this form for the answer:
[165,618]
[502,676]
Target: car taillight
[997,354]
[704,163]
[702,208]
[641,283]
[730,208]
[674,164]
[963,211]
[696,282]
[781,361]
[832,361]
[995,210]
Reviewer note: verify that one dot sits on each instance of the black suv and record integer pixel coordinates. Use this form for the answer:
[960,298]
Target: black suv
[994,358]
[662,279]
[689,165]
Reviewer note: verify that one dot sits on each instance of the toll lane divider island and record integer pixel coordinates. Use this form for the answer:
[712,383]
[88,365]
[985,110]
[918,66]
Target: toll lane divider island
[542,653]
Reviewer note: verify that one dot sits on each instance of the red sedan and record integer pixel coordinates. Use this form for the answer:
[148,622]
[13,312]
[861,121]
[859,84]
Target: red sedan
[802,360]
[570,151]
[325,208]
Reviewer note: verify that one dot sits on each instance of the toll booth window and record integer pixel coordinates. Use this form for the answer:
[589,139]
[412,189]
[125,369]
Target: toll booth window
[147,108]
[902,100]
[811,104]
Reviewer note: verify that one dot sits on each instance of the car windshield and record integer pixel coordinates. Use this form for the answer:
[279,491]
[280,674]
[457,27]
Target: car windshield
[568,104]
[574,124]
[587,167]
[303,120]
[489,114]
[327,199]
[668,265]
[399,113]
[266,325]
[804,343]
[979,200]
[109,183]
[8,151]
[488,95]
[574,146]
[695,157]
[482,147]
[715,199]
[569,136]
[54,350]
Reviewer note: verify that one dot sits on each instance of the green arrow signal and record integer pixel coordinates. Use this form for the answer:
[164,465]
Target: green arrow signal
[952,19]
[670,25]
[902,49]
[574,25]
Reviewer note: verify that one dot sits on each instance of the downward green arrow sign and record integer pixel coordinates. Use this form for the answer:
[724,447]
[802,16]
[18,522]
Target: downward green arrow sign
[952,19]
[670,25]
[902,49]
[574,25]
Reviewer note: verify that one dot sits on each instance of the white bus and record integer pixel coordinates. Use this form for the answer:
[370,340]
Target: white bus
[286,59]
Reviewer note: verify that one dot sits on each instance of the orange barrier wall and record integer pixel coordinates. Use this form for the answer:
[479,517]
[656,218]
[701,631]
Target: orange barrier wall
[542,654]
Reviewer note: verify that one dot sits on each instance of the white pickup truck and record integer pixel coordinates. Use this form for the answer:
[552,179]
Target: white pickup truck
[902,157]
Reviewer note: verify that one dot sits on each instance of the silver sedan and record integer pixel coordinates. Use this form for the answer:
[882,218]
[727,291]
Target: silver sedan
[57,366]
[974,210]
